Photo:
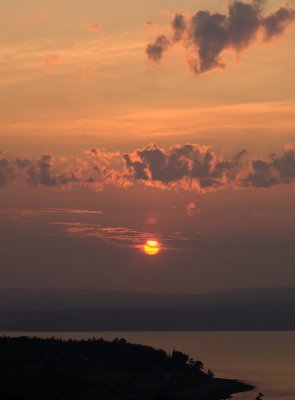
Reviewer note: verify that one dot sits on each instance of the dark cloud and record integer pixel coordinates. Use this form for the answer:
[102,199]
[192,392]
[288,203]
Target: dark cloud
[179,27]
[156,49]
[190,166]
[181,167]
[266,174]
[207,35]
[276,23]
[43,172]
[239,155]
[242,23]
[197,167]
[6,171]
[94,169]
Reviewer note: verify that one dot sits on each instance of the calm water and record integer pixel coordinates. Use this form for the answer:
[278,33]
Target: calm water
[266,359]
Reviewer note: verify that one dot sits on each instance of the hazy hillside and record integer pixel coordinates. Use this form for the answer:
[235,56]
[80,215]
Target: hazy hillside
[78,310]
[60,299]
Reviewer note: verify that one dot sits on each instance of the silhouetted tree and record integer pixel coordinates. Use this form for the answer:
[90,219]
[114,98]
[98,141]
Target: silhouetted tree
[179,359]
[210,374]
[199,365]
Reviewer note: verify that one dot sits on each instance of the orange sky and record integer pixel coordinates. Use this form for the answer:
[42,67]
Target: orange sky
[59,79]
[75,77]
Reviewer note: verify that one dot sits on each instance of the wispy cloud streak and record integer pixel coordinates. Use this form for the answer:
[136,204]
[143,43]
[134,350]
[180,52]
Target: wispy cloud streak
[128,237]
[15,214]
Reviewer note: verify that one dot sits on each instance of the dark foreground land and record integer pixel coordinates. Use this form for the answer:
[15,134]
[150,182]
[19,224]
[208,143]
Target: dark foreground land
[52,369]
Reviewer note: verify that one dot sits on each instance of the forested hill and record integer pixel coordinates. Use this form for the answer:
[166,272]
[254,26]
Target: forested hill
[51,369]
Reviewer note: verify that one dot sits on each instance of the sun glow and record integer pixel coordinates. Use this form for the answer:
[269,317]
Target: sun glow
[152,247]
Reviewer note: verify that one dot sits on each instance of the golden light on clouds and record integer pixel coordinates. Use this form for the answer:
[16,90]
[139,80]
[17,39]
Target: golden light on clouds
[152,247]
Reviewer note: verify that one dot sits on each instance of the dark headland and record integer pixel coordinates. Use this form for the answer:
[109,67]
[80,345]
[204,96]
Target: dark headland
[53,369]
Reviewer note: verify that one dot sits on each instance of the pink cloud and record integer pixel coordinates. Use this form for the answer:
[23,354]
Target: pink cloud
[191,209]
[39,16]
[86,72]
[52,60]
[93,27]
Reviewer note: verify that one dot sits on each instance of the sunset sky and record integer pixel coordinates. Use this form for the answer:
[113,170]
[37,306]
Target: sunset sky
[124,121]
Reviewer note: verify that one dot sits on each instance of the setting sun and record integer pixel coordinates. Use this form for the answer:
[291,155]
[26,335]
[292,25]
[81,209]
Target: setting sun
[152,247]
